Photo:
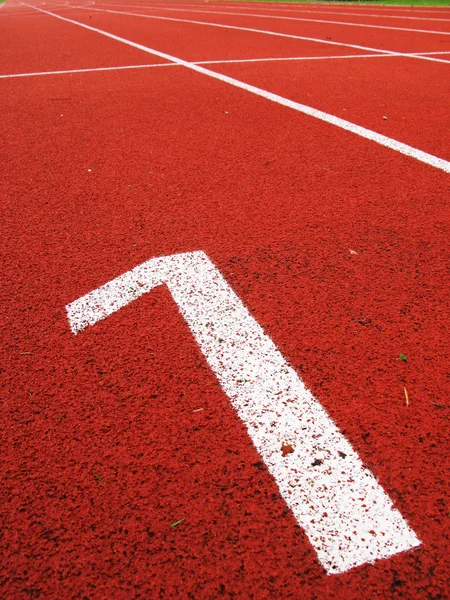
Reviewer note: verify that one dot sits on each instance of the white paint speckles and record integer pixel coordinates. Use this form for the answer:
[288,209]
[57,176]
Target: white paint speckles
[337,501]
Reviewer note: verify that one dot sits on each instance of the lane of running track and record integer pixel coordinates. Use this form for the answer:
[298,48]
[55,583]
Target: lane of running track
[280,7]
[404,11]
[49,46]
[401,41]
[362,12]
[392,96]
[203,43]
[105,443]
[260,12]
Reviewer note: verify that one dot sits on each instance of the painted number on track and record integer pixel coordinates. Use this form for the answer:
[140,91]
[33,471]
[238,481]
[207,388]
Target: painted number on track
[345,513]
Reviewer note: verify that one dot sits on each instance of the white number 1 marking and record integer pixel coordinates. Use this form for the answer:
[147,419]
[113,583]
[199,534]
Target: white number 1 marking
[345,513]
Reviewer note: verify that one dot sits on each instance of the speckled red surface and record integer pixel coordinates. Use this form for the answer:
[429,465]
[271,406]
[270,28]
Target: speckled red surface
[103,443]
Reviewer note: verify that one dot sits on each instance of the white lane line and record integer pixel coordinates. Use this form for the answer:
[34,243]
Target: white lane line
[429,159]
[300,58]
[260,16]
[298,10]
[345,513]
[265,32]
[93,70]
[290,8]
[361,8]
[431,53]
[201,62]
[295,58]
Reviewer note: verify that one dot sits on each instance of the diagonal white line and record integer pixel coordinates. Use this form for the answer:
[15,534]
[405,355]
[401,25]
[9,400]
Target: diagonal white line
[298,9]
[307,20]
[438,163]
[266,32]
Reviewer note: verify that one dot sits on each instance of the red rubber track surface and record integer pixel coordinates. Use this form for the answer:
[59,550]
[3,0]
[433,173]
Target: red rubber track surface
[319,12]
[103,446]
[50,45]
[393,96]
[292,7]
[396,41]
[200,41]
[411,93]
[279,7]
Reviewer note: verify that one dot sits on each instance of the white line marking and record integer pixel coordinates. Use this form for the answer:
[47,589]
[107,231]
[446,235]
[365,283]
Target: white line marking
[344,511]
[429,159]
[262,31]
[294,58]
[295,9]
[208,62]
[93,70]
[201,62]
[300,58]
[362,9]
[259,16]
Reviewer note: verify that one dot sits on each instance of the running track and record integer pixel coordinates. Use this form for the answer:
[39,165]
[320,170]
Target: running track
[304,150]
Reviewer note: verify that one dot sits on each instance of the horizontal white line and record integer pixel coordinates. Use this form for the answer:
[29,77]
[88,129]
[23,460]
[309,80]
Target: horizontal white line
[294,58]
[344,511]
[93,70]
[210,62]
[383,140]
[432,52]
[267,32]
[328,57]
[272,17]
[201,62]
